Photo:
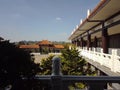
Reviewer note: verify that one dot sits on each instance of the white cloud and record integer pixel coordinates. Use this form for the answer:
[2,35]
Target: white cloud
[58,18]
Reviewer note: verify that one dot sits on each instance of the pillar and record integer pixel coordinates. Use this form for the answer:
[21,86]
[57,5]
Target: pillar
[56,78]
[105,40]
[77,41]
[95,41]
[88,41]
[72,42]
[81,42]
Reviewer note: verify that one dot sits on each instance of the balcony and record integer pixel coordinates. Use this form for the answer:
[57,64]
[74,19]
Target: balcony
[111,61]
[57,81]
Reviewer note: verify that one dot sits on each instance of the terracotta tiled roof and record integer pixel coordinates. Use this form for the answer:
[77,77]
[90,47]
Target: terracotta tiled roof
[44,42]
[29,46]
[59,46]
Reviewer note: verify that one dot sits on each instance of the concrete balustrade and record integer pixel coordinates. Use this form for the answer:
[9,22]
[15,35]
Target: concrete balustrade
[111,61]
[58,81]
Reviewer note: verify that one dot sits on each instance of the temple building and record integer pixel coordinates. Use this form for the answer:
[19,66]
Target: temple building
[44,47]
[32,48]
[97,37]
[100,29]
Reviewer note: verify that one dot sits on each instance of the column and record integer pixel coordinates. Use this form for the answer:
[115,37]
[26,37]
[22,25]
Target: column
[77,42]
[72,42]
[95,41]
[56,77]
[81,42]
[105,40]
[88,41]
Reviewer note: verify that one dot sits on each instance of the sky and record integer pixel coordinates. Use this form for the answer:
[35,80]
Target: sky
[37,20]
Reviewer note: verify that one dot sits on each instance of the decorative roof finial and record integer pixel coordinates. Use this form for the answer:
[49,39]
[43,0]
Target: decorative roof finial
[88,12]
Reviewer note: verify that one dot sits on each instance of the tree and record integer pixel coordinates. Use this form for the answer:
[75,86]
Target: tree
[46,65]
[15,64]
[72,64]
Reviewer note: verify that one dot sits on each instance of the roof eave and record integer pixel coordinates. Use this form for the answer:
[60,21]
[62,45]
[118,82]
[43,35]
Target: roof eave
[92,14]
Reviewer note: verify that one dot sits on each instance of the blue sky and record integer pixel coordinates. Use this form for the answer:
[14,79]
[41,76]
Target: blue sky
[53,20]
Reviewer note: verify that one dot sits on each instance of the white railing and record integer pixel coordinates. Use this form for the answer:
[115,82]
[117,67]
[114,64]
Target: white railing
[111,61]
[47,54]
[35,53]
[54,53]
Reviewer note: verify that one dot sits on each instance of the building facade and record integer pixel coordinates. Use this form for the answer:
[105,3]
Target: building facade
[98,37]
[101,28]
[44,47]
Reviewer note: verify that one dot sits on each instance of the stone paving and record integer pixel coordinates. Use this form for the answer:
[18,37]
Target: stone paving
[39,57]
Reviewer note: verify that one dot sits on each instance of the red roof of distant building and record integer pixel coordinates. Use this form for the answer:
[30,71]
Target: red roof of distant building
[29,46]
[44,42]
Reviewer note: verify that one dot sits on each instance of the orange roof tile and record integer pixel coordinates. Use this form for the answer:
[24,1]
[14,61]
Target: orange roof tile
[59,46]
[29,46]
[44,42]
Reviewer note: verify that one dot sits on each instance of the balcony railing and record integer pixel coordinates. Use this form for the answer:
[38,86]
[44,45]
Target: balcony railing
[57,81]
[111,61]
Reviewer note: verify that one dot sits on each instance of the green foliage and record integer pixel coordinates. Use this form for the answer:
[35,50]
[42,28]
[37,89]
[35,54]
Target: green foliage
[46,65]
[77,86]
[15,64]
[72,63]
[45,50]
